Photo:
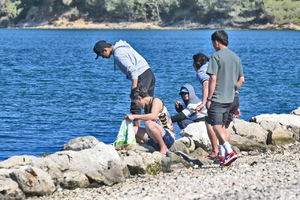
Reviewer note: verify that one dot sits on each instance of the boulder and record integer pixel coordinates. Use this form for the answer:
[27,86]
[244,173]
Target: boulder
[284,119]
[179,146]
[153,162]
[296,112]
[282,123]
[45,164]
[189,143]
[198,132]
[81,143]
[249,130]
[199,153]
[33,181]
[245,144]
[133,161]
[101,163]
[73,180]
[9,189]
[136,147]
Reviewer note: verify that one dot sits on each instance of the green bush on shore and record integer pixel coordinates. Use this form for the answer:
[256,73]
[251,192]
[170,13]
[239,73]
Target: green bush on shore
[225,12]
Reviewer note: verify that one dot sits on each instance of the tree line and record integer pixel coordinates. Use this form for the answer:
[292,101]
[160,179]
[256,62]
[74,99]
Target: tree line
[226,12]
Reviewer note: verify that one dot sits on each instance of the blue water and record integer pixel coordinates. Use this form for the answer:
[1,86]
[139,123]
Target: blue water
[53,90]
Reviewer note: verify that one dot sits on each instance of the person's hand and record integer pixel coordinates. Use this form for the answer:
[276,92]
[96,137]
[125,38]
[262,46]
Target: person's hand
[237,113]
[208,104]
[177,104]
[129,117]
[200,107]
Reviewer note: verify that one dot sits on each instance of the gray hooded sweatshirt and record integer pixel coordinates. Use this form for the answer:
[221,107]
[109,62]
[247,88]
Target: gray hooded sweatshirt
[130,62]
[189,107]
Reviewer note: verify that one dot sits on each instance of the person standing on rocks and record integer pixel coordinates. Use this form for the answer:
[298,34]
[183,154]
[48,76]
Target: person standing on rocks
[226,77]
[132,64]
[158,131]
[200,64]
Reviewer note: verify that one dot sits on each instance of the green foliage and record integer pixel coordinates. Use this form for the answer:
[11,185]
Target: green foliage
[157,11]
[283,12]
[11,11]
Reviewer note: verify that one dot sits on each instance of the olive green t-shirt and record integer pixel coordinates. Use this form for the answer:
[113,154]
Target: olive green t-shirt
[227,66]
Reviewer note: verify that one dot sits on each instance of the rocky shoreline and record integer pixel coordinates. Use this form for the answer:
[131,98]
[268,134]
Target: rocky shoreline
[268,167]
[81,24]
[274,175]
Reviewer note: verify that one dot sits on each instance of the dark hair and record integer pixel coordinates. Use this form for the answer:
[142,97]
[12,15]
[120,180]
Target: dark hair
[220,36]
[140,90]
[200,59]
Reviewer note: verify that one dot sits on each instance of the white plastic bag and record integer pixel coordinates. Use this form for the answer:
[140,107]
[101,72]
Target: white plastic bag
[126,134]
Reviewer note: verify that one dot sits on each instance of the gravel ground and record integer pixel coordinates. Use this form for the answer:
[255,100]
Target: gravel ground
[274,175]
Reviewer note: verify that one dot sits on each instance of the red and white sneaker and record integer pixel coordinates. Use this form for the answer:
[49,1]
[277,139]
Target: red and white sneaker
[219,160]
[230,158]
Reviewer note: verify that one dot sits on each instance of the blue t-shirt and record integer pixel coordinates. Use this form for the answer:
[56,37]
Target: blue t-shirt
[201,73]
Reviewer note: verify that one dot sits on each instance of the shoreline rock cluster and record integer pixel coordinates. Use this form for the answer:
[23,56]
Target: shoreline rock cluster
[86,164]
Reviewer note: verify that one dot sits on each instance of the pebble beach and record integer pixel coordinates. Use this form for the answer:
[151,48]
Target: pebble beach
[270,175]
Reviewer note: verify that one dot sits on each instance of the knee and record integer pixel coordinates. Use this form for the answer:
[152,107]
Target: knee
[148,123]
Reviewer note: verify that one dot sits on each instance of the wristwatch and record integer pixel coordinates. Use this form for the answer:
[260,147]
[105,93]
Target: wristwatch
[208,99]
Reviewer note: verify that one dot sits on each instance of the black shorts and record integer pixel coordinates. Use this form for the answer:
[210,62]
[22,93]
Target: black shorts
[232,110]
[148,80]
[218,113]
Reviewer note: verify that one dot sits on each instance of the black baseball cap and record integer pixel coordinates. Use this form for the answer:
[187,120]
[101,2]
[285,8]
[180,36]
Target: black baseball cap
[99,46]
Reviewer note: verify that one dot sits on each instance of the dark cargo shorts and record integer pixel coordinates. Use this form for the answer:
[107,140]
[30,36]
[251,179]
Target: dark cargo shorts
[218,113]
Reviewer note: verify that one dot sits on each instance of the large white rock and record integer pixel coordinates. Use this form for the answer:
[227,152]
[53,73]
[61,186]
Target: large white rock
[198,132]
[286,126]
[296,112]
[100,163]
[284,119]
[9,189]
[80,143]
[33,181]
[73,180]
[249,130]
[45,164]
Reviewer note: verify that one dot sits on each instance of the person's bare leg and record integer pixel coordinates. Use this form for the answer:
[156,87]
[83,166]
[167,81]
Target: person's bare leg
[140,135]
[227,135]
[155,131]
[213,139]
[137,123]
[221,133]
[223,137]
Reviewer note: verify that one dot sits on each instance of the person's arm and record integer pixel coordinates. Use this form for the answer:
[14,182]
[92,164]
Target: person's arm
[178,106]
[156,107]
[179,117]
[237,114]
[211,88]
[204,96]
[240,82]
[134,83]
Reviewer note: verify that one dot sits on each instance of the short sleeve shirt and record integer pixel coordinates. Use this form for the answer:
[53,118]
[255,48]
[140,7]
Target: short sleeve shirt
[201,73]
[227,66]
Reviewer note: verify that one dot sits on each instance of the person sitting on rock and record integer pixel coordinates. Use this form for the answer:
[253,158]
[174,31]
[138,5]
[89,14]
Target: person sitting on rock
[158,131]
[187,111]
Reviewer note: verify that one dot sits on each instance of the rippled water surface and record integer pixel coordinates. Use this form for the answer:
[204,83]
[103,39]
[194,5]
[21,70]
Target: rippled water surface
[52,89]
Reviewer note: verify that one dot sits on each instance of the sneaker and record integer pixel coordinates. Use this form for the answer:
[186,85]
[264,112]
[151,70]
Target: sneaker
[230,158]
[219,160]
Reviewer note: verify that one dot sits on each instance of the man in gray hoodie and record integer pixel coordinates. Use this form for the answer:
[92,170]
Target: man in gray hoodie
[187,113]
[132,64]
